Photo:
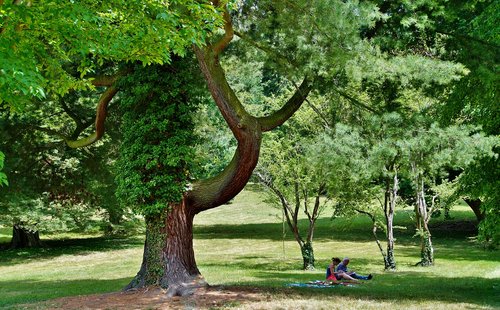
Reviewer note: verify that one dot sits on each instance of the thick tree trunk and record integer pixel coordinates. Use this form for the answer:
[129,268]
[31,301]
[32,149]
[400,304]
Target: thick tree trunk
[168,258]
[182,274]
[475,205]
[170,242]
[24,237]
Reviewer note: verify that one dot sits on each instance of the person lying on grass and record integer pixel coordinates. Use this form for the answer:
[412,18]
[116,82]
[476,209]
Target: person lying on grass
[332,275]
[342,269]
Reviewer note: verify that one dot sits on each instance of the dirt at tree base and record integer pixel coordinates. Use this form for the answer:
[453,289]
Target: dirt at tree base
[213,297]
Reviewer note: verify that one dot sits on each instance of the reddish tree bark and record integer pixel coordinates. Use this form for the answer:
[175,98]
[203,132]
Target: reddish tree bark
[171,262]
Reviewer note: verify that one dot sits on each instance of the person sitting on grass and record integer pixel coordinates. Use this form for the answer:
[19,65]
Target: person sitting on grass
[332,275]
[342,269]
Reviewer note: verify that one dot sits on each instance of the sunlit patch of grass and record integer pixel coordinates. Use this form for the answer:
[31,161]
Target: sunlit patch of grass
[243,243]
[67,275]
[5,234]
[342,302]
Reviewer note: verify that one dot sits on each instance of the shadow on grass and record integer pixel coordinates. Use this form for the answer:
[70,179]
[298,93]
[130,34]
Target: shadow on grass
[454,250]
[274,231]
[390,286]
[29,291]
[55,248]
[412,286]
[327,229]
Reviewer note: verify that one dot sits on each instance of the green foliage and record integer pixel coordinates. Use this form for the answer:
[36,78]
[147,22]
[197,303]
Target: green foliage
[38,40]
[476,182]
[471,37]
[341,154]
[3,176]
[155,239]
[54,188]
[158,135]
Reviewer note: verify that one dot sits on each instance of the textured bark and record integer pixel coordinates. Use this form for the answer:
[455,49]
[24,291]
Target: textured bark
[475,205]
[423,217]
[427,251]
[389,218]
[181,273]
[152,267]
[24,237]
[168,258]
[307,255]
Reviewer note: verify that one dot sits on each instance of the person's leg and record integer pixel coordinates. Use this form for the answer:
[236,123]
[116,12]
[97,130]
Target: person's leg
[345,276]
[360,277]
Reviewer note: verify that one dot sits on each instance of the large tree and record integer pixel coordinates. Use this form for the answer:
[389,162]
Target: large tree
[304,41]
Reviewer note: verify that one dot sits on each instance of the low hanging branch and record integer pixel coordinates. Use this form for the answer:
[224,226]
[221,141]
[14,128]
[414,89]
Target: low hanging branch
[99,120]
[101,113]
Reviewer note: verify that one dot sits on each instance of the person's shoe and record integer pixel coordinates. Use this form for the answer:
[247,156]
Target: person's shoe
[370,276]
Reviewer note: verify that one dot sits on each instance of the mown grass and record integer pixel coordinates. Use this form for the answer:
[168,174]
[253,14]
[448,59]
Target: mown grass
[242,243]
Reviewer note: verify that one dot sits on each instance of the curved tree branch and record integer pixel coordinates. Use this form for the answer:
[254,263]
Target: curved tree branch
[247,129]
[228,103]
[80,125]
[99,120]
[104,80]
[109,80]
[293,104]
[213,192]
[228,34]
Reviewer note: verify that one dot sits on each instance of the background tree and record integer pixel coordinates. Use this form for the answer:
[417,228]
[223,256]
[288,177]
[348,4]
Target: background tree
[428,151]
[362,165]
[469,30]
[295,184]
[462,31]
[53,187]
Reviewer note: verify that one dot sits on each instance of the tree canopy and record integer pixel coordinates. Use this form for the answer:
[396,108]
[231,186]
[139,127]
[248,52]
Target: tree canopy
[388,70]
[40,41]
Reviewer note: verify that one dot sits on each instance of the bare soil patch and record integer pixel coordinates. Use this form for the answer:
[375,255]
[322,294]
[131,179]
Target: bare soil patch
[214,297]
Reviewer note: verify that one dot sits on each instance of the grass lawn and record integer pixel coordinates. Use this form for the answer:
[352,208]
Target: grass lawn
[242,243]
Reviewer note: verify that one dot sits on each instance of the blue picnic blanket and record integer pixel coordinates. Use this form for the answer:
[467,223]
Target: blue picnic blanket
[320,284]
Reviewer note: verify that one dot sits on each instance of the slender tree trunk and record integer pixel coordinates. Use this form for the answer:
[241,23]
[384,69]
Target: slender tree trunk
[389,217]
[307,255]
[23,237]
[426,248]
[427,252]
[374,232]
